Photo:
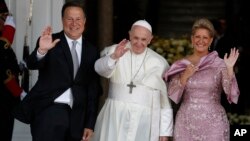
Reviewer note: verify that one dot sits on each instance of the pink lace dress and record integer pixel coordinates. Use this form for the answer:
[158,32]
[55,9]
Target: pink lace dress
[201,117]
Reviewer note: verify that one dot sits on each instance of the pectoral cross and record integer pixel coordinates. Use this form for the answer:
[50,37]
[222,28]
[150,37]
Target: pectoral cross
[131,86]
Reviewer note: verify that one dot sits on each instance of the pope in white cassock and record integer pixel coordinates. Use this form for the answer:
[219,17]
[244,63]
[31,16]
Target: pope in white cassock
[137,107]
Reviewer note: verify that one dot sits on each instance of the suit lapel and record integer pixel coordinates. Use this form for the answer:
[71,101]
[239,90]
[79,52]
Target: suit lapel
[83,57]
[84,53]
[65,47]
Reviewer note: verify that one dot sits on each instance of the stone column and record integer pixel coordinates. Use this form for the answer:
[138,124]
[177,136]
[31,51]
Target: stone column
[105,34]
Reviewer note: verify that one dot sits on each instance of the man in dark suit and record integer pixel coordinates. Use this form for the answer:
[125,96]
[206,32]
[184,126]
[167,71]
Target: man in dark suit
[62,106]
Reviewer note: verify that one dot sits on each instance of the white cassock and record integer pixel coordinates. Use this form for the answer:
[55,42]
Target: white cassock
[145,113]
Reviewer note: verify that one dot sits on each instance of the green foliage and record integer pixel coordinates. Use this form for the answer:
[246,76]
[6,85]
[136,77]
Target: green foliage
[236,119]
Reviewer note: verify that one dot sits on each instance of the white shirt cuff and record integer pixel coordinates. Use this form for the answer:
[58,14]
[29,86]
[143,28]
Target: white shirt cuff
[111,62]
[166,126]
[39,55]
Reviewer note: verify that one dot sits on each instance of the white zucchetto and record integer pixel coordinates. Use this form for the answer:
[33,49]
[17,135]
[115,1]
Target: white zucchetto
[144,24]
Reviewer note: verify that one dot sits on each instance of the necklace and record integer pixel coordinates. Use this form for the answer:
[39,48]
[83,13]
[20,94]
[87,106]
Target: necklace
[131,84]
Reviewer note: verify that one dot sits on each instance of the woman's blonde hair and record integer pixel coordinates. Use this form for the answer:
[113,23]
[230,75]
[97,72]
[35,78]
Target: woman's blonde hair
[205,24]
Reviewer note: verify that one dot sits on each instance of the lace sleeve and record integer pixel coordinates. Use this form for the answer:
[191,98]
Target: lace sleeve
[175,89]
[230,87]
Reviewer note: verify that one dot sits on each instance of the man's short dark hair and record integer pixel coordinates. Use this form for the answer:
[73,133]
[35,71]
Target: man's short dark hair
[72,4]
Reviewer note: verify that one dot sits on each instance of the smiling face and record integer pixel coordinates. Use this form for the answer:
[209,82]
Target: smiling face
[73,22]
[202,36]
[201,40]
[139,37]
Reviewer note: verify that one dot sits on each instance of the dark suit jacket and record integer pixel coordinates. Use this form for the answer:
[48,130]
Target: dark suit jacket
[56,76]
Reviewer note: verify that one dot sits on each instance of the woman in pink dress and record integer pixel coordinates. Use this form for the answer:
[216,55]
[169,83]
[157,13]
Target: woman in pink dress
[197,81]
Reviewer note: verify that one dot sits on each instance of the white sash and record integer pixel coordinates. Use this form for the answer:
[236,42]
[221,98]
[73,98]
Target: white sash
[140,95]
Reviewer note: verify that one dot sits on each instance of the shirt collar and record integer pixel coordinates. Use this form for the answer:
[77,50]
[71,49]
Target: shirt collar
[79,40]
